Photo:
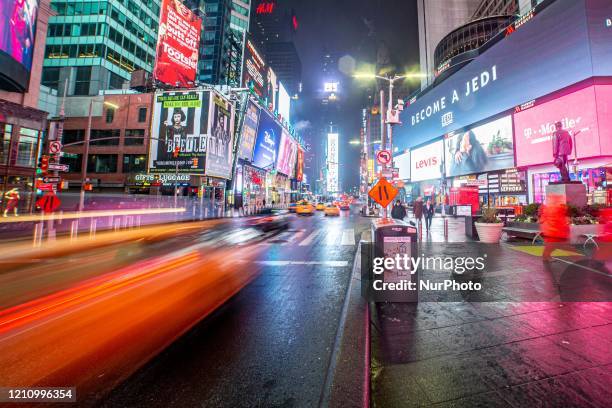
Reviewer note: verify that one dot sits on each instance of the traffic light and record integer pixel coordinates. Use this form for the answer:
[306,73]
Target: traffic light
[43,164]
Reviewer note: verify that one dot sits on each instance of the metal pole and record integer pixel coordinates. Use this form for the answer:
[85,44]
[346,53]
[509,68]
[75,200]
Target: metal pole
[382,119]
[176,184]
[389,125]
[85,156]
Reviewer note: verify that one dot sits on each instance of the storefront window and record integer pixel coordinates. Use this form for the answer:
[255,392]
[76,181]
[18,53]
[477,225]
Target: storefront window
[102,163]
[26,150]
[595,179]
[5,142]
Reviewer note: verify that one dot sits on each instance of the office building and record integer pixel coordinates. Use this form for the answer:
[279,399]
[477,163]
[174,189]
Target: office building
[96,46]
[284,59]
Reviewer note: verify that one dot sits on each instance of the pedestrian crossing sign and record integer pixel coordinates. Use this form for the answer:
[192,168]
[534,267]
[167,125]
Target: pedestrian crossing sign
[383,192]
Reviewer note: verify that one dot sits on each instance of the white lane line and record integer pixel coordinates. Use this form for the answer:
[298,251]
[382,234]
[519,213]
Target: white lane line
[332,236]
[295,237]
[348,237]
[309,239]
[287,263]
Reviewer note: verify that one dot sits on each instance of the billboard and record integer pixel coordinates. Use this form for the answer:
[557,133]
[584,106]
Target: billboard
[550,52]
[402,162]
[284,153]
[178,39]
[267,142]
[284,102]
[17,35]
[577,111]
[249,132]
[254,72]
[272,89]
[180,120]
[483,148]
[299,170]
[219,150]
[426,161]
[332,163]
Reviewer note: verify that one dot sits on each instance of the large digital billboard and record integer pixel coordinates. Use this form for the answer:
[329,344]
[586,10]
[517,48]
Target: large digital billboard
[299,168]
[402,162]
[284,153]
[249,132]
[17,35]
[219,151]
[578,112]
[176,60]
[483,148]
[180,120]
[426,161]
[254,71]
[267,143]
[284,102]
[550,52]
[332,163]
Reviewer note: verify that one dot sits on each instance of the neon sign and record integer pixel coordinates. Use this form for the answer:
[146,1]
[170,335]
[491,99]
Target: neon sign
[266,7]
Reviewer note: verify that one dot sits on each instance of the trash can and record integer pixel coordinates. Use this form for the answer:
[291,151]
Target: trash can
[397,240]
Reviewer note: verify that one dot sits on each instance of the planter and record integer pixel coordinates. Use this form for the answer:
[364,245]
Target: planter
[489,233]
[577,230]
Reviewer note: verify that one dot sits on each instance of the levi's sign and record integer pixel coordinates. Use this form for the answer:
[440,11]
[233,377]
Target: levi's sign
[425,161]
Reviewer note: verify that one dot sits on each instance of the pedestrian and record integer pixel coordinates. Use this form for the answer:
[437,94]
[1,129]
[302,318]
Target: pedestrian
[554,226]
[429,212]
[12,200]
[417,210]
[264,202]
[398,211]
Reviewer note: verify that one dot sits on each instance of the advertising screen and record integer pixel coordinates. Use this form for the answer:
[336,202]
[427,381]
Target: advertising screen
[299,169]
[180,119]
[332,163]
[17,34]
[254,72]
[402,162]
[177,45]
[484,148]
[284,153]
[272,89]
[425,161]
[284,103]
[550,52]
[219,154]
[534,127]
[249,132]
[267,143]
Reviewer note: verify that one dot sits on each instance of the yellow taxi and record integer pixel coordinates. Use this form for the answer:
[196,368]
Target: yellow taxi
[332,210]
[320,206]
[304,208]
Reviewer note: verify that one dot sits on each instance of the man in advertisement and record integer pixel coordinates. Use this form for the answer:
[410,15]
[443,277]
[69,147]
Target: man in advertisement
[562,148]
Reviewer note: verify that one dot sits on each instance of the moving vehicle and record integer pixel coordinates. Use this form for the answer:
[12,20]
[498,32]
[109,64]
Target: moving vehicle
[305,208]
[292,207]
[344,206]
[276,220]
[331,209]
[320,206]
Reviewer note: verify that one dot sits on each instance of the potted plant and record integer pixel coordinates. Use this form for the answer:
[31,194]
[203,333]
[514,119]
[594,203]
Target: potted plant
[489,226]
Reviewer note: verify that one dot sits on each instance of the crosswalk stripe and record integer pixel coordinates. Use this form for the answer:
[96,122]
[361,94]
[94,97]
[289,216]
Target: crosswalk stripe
[348,237]
[295,237]
[331,238]
[308,240]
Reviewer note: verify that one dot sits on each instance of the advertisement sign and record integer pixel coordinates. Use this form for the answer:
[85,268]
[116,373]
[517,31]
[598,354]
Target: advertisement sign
[425,161]
[254,72]
[219,154]
[178,39]
[272,89]
[249,132]
[284,103]
[180,119]
[332,163]
[402,162]
[484,148]
[267,143]
[534,127]
[284,153]
[17,35]
[506,75]
[299,172]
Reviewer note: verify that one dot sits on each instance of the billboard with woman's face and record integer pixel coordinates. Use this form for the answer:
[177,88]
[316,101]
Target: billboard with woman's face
[483,148]
[17,33]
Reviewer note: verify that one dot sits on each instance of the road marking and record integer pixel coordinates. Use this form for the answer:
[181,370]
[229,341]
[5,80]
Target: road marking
[297,235]
[332,237]
[348,237]
[287,263]
[308,240]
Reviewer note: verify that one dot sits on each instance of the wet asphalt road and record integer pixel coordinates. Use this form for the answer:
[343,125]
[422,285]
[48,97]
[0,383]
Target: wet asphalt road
[270,345]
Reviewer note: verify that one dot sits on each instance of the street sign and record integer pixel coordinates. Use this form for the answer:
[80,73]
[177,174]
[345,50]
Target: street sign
[58,167]
[55,147]
[48,203]
[51,180]
[383,157]
[383,192]
[69,155]
[45,187]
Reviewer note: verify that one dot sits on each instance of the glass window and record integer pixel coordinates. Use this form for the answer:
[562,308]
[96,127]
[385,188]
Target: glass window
[5,142]
[134,163]
[110,115]
[110,136]
[134,137]
[74,163]
[73,136]
[142,115]
[102,163]
[26,151]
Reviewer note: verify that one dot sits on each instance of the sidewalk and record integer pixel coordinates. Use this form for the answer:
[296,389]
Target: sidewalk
[504,353]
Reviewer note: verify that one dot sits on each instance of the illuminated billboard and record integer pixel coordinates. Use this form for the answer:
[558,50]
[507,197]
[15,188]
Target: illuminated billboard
[178,39]
[483,148]
[17,35]
[299,170]
[284,103]
[180,120]
[284,153]
[426,162]
[219,151]
[402,162]
[249,132]
[332,163]
[254,71]
[267,143]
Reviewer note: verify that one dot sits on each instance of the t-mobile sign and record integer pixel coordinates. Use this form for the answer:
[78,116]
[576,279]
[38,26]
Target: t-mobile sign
[533,127]
[426,161]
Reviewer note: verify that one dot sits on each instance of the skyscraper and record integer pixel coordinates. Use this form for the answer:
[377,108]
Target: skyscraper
[97,45]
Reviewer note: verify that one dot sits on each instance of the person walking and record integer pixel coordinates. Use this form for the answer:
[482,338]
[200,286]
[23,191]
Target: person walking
[398,211]
[12,201]
[417,210]
[429,211]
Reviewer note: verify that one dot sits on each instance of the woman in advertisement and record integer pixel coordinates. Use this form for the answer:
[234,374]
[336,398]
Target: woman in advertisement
[468,156]
[176,133]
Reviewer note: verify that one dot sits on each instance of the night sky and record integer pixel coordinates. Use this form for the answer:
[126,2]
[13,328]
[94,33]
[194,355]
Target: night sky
[355,28]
